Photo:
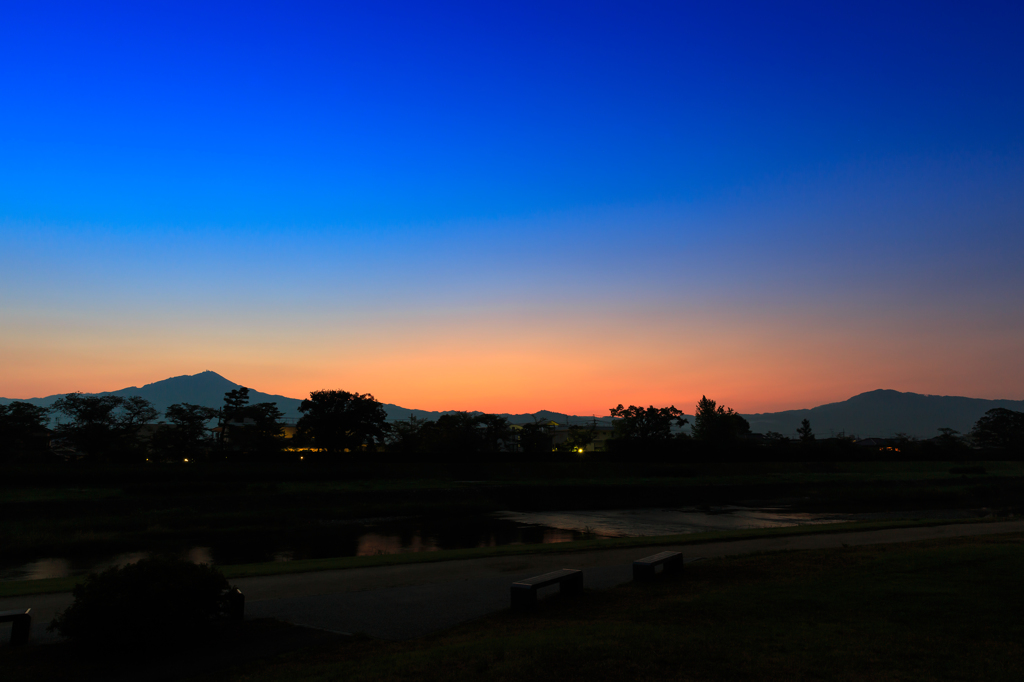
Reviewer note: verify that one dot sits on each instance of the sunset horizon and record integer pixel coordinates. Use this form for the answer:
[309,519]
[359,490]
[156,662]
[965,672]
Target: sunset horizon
[686,406]
[516,209]
[511,341]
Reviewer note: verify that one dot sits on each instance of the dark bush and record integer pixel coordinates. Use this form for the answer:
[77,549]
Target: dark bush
[149,603]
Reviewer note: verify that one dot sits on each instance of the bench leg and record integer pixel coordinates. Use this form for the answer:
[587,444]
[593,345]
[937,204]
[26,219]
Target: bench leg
[642,572]
[20,627]
[523,599]
[572,584]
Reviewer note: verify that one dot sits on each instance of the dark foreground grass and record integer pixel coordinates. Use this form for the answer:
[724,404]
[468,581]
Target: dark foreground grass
[936,610]
[940,610]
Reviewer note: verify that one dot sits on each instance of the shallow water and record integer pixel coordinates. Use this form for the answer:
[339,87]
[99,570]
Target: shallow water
[329,539]
[399,535]
[683,520]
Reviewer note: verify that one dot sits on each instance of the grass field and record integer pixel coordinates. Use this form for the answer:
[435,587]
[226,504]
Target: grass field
[935,610]
[947,610]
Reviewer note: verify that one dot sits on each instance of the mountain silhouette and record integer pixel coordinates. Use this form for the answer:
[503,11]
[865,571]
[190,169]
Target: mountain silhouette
[206,388]
[881,413]
[884,413]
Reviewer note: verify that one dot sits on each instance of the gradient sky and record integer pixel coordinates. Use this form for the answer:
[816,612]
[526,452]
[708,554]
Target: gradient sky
[510,208]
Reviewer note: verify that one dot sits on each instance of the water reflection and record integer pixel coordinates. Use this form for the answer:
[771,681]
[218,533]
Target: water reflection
[400,535]
[684,520]
[650,522]
[328,539]
[63,567]
[372,544]
[37,570]
[200,555]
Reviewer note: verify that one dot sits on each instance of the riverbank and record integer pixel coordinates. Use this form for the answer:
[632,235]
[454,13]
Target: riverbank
[945,608]
[276,568]
[251,514]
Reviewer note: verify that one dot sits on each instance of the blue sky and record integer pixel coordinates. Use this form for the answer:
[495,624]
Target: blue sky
[370,165]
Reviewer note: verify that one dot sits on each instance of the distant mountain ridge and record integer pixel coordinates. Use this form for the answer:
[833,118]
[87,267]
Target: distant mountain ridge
[206,388]
[881,413]
[884,413]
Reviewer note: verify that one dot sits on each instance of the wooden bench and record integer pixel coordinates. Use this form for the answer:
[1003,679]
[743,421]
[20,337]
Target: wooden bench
[20,621]
[524,592]
[671,562]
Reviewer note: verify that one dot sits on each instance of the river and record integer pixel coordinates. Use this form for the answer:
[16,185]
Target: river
[395,535]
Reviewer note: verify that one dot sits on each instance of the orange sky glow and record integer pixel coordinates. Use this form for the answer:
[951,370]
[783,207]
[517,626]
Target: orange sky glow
[746,361]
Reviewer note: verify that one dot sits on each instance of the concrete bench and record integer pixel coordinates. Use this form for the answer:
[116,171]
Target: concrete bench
[20,621]
[671,562]
[524,592]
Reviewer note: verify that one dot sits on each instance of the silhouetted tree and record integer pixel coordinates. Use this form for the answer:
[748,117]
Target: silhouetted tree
[704,418]
[105,426]
[455,434]
[1000,428]
[261,433]
[950,442]
[336,421]
[534,438]
[579,438]
[805,432]
[646,425]
[717,423]
[733,424]
[495,433]
[406,437]
[136,411]
[463,436]
[188,434]
[235,401]
[23,431]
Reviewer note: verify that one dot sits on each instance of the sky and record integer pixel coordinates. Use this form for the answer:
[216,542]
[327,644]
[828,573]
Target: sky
[511,207]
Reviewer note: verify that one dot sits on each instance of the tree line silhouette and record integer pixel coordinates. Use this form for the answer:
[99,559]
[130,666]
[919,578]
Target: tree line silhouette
[336,425]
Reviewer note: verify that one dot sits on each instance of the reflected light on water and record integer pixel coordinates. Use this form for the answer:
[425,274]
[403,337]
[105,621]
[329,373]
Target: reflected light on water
[372,544]
[39,570]
[121,560]
[553,535]
[65,568]
[200,555]
[548,536]
[653,522]
[491,530]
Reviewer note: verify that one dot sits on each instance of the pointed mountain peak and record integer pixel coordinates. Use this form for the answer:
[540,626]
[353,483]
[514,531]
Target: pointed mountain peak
[207,379]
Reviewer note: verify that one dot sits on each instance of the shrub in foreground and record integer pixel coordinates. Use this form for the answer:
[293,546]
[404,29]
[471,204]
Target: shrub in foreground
[149,603]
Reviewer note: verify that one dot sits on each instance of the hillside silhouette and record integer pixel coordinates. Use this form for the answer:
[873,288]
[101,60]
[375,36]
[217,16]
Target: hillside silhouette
[884,413]
[881,413]
[206,388]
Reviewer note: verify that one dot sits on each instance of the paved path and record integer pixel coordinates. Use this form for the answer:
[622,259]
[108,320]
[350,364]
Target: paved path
[399,602]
